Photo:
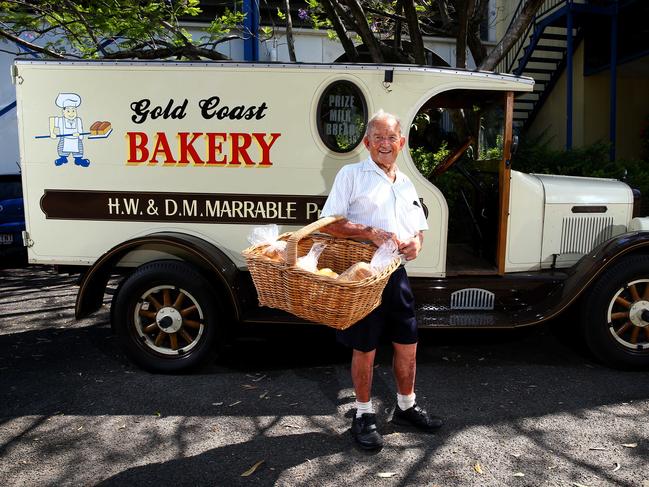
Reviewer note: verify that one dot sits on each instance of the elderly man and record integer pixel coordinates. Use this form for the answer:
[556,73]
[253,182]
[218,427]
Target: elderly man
[379,203]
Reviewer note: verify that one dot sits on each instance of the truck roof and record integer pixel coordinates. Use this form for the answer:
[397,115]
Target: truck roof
[523,82]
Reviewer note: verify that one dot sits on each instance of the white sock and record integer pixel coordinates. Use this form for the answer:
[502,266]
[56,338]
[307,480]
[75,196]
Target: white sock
[364,407]
[406,402]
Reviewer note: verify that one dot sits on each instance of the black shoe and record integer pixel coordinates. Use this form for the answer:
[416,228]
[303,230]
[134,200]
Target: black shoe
[417,417]
[365,433]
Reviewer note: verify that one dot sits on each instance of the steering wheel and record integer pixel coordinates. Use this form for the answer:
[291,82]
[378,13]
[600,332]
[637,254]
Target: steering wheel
[451,159]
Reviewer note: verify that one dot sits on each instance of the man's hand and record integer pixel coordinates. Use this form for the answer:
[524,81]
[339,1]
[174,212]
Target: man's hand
[410,248]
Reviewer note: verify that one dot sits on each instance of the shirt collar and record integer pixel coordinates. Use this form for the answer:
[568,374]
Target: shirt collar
[370,165]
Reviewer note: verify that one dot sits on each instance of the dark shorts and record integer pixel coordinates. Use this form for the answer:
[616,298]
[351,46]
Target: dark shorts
[394,318]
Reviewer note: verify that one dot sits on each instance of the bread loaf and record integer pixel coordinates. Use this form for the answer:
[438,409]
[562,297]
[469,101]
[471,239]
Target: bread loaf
[100,128]
[357,272]
[274,252]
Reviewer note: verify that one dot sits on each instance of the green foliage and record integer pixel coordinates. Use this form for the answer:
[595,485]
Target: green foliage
[495,152]
[223,25]
[106,28]
[426,161]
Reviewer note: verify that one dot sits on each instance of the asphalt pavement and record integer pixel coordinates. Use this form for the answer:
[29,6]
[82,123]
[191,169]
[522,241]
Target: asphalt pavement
[522,408]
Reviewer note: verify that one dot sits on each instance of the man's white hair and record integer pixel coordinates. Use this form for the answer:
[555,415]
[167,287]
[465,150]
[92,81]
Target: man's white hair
[381,115]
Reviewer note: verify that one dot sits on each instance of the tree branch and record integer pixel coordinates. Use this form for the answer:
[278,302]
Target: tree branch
[515,31]
[190,51]
[348,45]
[477,48]
[30,46]
[89,30]
[413,29]
[176,31]
[395,16]
[289,32]
[397,24]
[364,30]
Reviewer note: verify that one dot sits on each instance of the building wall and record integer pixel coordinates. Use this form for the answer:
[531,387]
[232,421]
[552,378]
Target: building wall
[504,9]
[633,108]
[591,108]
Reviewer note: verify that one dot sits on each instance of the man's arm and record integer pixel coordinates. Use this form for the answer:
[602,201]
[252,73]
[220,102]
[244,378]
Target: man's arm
[356,231]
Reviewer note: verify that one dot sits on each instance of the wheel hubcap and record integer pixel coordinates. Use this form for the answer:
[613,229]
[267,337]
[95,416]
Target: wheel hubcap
[628,315]
[169,320]
[638,313]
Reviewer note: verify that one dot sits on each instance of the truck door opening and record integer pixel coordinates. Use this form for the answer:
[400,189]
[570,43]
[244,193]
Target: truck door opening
[459,141]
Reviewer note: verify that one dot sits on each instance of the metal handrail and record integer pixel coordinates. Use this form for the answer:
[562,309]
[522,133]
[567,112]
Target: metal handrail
[507,62]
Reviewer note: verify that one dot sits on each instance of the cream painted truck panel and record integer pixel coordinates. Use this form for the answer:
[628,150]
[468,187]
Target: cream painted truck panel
[176,171]
[525,225]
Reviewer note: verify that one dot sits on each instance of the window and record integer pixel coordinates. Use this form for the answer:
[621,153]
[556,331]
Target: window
[342,116]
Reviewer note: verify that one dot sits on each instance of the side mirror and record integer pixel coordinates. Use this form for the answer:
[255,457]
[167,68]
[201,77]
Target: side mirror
[514,144]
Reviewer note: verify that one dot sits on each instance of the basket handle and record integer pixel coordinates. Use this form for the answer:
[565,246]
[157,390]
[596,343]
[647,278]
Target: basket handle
[291,243]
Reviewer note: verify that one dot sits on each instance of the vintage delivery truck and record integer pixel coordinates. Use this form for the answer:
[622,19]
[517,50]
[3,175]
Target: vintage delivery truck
[159,171]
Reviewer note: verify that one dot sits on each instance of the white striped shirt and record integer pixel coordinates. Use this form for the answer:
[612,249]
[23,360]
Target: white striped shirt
[364,194]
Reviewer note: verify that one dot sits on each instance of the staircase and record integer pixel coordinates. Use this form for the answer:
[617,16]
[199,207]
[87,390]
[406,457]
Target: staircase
[541,52]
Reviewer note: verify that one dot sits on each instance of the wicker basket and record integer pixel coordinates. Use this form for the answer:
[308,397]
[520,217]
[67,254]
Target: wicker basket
[312,297]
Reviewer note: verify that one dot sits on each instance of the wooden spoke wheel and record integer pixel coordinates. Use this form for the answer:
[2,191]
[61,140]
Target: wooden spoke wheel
[169,320]
[615,314]
[628,315]
[166,315]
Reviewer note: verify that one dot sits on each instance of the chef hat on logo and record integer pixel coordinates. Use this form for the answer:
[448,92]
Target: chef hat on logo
[65,100]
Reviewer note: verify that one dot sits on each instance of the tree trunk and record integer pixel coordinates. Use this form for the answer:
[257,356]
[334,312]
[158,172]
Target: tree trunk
[478,51]
[416,40]
[364,30]
[515,31]
[460,38]
[289,32]
[346,42]
[397,26]
[476,47]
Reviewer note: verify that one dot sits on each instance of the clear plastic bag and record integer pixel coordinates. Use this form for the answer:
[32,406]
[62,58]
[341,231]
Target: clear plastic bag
[381,259]
[309,262]
[384,256]
[267,235]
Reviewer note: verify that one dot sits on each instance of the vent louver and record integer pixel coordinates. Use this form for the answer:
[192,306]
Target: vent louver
[580,235]
[472,298]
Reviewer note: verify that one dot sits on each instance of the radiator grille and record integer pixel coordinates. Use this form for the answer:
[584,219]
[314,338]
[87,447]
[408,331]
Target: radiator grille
[472,298]
[580,235]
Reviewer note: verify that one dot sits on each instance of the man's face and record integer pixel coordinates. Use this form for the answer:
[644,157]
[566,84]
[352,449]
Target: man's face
[70,113]
[384,141]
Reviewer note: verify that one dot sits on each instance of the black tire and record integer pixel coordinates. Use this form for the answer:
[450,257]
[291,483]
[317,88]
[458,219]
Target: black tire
[612,320]
[166,316]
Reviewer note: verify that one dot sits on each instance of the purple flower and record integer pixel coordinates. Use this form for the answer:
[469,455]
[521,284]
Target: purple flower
[302,13]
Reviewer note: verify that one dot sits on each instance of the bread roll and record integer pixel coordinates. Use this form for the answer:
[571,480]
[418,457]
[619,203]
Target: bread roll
[357,272]
[325,271]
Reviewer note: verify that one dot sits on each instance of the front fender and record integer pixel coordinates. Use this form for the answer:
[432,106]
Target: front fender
[589,267]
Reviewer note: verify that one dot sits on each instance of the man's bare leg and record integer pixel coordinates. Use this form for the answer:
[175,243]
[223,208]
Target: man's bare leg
[362,372]
[404,365]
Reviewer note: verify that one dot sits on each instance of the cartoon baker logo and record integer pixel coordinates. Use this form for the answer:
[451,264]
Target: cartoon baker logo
[68,129]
